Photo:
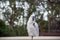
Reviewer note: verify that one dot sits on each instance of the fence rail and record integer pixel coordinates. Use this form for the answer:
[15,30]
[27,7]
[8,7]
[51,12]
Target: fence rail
[30,38]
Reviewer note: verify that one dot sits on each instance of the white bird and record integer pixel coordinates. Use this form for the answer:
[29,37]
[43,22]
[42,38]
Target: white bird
[32,26]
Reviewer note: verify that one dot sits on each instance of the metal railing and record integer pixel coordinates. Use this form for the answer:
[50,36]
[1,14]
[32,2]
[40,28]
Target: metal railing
[30,38]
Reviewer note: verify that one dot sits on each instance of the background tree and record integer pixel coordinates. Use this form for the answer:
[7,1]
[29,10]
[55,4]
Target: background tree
[17,13]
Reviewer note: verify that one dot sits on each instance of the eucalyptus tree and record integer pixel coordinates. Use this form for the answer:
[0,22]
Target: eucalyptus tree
[11,12]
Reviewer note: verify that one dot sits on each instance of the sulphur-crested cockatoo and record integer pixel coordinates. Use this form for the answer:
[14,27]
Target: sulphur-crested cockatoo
[32,26]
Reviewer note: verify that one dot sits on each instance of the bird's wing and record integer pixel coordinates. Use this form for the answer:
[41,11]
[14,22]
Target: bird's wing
[31,30]
[37,28]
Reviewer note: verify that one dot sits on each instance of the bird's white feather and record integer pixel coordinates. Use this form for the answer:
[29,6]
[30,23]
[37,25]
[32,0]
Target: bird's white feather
[32,30]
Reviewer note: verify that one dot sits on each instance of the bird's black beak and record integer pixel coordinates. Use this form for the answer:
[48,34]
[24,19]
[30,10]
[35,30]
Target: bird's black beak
[33,18]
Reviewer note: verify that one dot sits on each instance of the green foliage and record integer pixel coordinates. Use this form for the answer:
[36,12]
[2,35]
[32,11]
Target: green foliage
[43,25]
[4,30]
[18,31]
[2,24]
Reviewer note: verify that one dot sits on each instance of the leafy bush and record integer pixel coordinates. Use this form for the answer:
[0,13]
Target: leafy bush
[4,30]
[18,30]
